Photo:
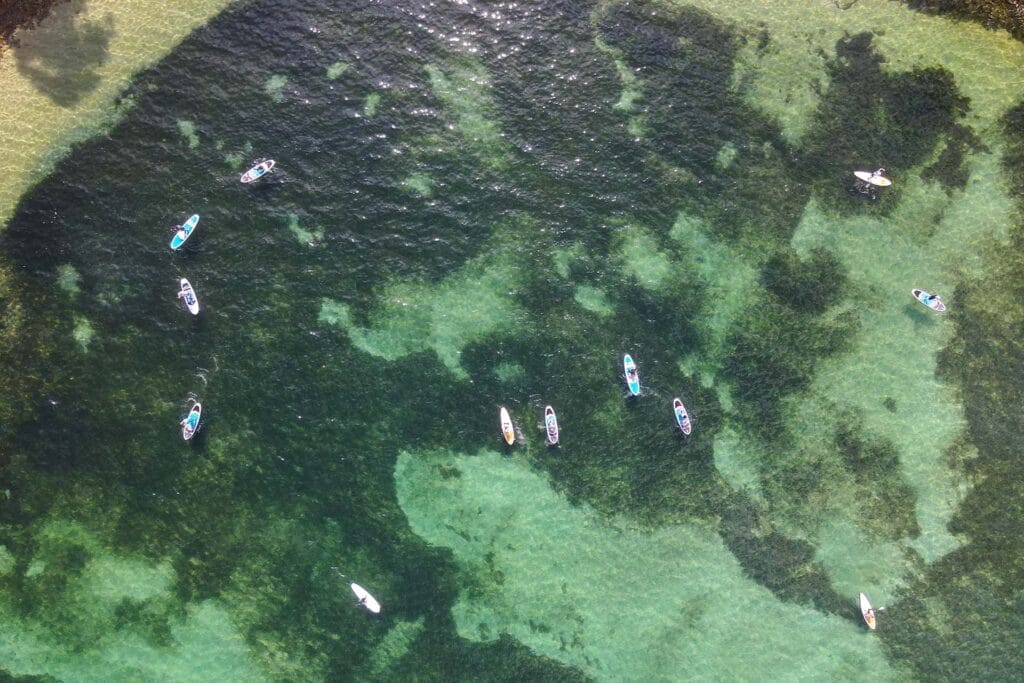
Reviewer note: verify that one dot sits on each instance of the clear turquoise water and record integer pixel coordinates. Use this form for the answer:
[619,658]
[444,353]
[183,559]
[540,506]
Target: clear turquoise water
[480,205]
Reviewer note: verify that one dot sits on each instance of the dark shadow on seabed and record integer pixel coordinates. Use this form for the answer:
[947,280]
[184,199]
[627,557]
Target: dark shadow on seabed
[269,509]
[18,14]
[62,55]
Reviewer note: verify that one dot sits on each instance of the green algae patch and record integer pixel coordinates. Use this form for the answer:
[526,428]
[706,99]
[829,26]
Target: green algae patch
[643,261]
[237,158]
[730,280]
[109,580]
[234,160]
[471,305]
[336,70]
[334,313]
[594,300]
[781,65]
[509,372]
[274,87]
[419,183]
[906,509]
[896,349]
[7,561]
[857,562]
[370,106]
[302,235]
[294,627]
[738,460]
[68,279]
[726,155]
[529,555]
[637,126]
[961,612]
[465,91]
[395,645]
[82,332]
[95,615]
[202,640]
[564,258]
[631,92]
[187,130]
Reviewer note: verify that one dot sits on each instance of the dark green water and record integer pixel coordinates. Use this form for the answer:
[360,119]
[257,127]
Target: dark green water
[462,218]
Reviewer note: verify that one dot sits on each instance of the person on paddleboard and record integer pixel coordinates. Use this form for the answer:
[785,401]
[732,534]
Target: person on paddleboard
[868,183]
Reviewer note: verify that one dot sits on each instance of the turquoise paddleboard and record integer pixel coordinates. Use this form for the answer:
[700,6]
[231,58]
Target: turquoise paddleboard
[632,378]
[184,232]
[190,425]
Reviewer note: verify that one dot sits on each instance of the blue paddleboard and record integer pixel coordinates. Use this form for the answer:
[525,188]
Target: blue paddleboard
[184,231]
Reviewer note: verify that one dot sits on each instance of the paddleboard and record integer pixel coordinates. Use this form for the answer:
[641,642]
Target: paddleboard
[184,232]
[632,377]
[873,178]
[258,171]
[365,599]
[190,425]
[188,295]
[551,425]
[682,417]
[867,611]
[933,302]
[506,427]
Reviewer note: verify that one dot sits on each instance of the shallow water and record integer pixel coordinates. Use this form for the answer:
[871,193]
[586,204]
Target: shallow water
[477,205]
[65,81]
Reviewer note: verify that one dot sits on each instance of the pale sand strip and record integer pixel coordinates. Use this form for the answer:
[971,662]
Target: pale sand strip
[35,131]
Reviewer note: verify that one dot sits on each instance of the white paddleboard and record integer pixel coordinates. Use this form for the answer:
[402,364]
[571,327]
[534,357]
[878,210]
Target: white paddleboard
[867,611]
[873,178]
[551,425]
[506,427]
[365,599]
[933,302]
[188,296]
[258,171]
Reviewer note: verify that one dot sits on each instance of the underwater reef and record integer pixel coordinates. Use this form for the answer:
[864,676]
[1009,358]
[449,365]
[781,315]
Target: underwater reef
[517,219]
[976,586]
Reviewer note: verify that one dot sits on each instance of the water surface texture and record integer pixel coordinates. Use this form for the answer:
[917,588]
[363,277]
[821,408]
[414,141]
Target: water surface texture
[479,205]
[66,79]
